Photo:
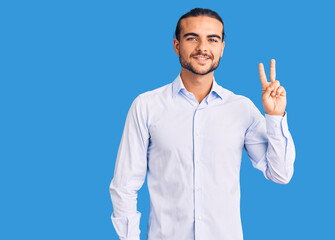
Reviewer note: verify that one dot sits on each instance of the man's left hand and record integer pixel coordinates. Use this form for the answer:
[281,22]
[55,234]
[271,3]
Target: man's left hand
[274,95]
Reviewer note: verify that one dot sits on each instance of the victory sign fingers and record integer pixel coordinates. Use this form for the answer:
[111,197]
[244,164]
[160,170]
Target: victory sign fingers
[274,95]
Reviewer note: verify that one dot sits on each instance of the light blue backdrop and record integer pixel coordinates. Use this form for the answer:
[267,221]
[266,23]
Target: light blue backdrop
[69,71]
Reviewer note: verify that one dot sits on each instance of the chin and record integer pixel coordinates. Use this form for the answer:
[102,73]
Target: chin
[202,72]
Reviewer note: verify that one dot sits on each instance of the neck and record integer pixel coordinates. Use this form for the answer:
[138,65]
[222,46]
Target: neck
[199,85]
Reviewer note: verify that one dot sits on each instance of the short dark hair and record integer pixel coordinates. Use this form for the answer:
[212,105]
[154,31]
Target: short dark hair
[198,12]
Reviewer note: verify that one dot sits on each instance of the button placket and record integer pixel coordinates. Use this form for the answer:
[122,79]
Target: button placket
[197,171]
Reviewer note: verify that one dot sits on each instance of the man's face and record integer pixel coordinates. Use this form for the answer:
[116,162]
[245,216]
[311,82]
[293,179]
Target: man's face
[200,47]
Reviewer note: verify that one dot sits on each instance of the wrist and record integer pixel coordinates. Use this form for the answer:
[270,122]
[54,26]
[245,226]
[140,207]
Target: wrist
[276,114]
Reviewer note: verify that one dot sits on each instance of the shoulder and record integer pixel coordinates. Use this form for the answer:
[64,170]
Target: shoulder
[157,92]
[233,98]
[241,105]
[244,107]
[152,97]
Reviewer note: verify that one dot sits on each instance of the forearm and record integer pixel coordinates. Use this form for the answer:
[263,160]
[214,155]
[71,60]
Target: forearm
[129,176]
[124,201]
[125,217]
[280,154]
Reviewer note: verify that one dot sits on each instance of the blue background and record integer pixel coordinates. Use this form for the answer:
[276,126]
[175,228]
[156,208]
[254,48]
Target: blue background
[70,70]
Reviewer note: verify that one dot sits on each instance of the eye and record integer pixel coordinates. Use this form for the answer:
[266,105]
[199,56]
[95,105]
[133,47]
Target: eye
[213,40]
[190,39]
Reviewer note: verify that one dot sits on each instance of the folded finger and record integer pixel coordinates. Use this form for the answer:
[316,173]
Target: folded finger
[281,91]
[276,85]
[267,92]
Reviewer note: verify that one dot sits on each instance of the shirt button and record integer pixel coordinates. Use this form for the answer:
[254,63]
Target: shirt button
[198,189]
[199,217]
[276,125]
[198,161]
[197,133]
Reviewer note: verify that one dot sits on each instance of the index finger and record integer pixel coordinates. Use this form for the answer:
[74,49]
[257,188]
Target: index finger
[262,75]
[272,70]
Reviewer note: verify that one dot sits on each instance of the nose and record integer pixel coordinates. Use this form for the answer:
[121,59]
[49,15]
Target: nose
[202,46]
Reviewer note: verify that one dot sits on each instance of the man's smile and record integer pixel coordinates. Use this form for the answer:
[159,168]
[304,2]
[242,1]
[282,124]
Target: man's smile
[200,58]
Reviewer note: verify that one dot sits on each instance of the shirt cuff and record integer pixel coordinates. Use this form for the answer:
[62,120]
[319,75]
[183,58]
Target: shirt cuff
[127,228]
[276,124]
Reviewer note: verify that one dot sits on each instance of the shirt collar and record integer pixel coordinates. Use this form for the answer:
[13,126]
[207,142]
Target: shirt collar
[178,85]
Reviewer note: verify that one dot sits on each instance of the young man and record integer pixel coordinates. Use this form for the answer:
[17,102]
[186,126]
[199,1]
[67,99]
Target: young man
[188,137]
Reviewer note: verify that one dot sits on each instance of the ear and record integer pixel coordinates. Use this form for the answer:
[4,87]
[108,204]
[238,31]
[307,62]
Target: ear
[223,44]
[176,45]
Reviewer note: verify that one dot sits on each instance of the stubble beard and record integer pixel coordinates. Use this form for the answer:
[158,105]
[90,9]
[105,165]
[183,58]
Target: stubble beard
[188,65]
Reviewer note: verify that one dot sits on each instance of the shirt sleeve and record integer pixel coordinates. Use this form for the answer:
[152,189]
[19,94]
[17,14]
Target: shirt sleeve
[130,171]
[270,146]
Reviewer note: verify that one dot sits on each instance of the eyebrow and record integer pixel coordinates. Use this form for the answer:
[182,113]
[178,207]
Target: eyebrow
[196,35]
[214,35]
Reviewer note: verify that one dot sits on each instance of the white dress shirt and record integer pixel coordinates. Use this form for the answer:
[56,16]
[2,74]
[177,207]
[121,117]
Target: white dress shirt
[191,154]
